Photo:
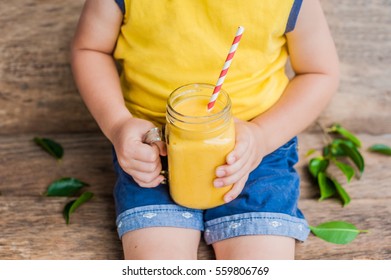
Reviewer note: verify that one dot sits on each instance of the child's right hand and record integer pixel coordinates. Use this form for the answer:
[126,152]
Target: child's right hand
[139,160]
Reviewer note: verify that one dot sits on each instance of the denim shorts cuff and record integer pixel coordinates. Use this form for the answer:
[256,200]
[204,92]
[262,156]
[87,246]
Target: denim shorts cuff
[164,215]
[256,224]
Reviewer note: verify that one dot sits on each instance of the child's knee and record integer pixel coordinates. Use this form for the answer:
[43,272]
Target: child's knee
[255,247]
[158,243]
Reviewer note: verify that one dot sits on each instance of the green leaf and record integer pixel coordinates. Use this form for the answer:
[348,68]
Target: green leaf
[346,169]
[66,186]
[335,149]
[341,192]
[326,151]
[381,149]
[318,164]
[354,155]
[50,146]
[326,186]
[346,133]
[71,206]
[310,152]
[337,232]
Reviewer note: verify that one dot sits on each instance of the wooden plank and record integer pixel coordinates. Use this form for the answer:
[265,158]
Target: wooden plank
[362,34]
[374,182]
[26,170]
[36,84]
[37,92]
[366,214]
[32,226]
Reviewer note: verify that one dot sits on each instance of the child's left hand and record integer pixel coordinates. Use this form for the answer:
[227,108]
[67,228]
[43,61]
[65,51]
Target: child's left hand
[245,157]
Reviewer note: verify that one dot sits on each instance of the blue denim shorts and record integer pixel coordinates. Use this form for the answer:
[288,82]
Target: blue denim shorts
[266,206]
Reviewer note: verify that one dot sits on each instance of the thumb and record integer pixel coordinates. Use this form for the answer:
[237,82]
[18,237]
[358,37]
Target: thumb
[154,137]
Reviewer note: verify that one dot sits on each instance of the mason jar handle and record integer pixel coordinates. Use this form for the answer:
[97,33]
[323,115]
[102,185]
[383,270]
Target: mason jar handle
[155,135]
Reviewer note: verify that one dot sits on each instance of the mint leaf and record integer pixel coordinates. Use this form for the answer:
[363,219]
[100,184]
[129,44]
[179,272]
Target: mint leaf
[346,169]
[381,149]
[50,146]
[337,232]
[326,186]
[341,192]
[71,206]
[346,133]
[66,186]
[354,155]
[318,164]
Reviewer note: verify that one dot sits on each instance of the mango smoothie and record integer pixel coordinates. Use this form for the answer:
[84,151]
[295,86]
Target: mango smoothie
[198,141]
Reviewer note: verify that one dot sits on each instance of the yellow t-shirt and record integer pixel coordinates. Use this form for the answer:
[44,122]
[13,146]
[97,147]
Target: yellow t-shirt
[164,44]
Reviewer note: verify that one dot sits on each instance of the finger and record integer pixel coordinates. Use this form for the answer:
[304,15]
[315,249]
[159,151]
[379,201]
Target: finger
[154,183]
[239,150]
[230,173]
[161,146]
[143,152]
[148,180]
[235,167]
[236,190]
[147,164]
[232,178]
[235,160]
[142,166]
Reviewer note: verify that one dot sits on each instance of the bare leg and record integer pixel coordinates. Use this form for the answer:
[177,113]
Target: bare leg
[255,247]
[161,243]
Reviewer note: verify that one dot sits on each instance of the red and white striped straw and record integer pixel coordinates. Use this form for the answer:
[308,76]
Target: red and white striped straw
[227,64]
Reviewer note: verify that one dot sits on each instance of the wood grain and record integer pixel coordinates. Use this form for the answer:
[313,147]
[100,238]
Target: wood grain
[375,181]
[32,226]
[36,84]
[27,170]
[362,34]
[37,92]
[38,98]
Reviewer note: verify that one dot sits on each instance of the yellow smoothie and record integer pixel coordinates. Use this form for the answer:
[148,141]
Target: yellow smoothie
[195,149]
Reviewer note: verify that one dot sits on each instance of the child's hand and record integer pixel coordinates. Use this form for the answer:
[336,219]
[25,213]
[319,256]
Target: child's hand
[136,158]
[245,157]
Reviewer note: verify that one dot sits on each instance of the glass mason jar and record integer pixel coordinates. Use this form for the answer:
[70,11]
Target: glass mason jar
[198,141]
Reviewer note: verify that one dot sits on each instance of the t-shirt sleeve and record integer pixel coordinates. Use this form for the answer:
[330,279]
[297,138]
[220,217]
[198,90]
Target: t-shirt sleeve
[293,16]
[121,5]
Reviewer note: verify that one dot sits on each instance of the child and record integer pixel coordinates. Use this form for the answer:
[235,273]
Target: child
[161,45]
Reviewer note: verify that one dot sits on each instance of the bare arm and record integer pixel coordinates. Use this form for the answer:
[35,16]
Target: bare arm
[314,59]
[97,79]
[93,65]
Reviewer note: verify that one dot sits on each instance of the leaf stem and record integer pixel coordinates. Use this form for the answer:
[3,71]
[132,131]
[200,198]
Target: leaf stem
[325,133]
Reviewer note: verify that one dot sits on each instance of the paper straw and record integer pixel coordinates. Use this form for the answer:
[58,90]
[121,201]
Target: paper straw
[227,63]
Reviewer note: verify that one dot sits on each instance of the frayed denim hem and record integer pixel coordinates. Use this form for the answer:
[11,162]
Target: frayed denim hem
[163,215]
[256,224]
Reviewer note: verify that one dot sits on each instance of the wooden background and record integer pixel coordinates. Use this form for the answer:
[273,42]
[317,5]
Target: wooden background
[38,98]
